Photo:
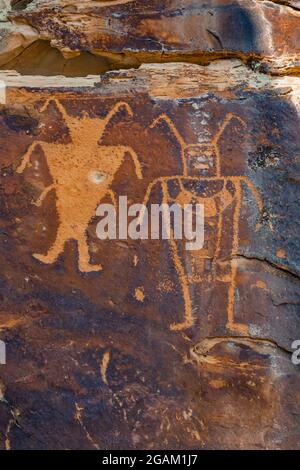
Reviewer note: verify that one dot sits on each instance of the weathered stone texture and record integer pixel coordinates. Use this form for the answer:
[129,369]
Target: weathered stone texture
[165,30]
[141,344]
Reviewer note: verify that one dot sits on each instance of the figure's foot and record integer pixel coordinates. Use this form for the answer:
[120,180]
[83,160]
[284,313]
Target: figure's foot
[242,330]
[89,268]
[37,203]
[181,326]
[44,258]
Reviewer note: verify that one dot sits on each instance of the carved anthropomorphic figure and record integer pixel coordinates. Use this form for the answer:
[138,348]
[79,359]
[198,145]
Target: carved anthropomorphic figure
[202,182]
[82,173]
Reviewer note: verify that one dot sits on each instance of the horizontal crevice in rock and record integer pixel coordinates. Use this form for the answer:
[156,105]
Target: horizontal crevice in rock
[272,264]
[204,346]
[129,33]
[294,4]
[17,5]
[40,58]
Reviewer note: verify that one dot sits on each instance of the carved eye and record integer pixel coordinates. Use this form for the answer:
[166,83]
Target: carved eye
[97,177]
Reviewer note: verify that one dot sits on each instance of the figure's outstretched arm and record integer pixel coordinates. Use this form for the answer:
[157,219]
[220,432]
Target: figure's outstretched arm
[147,198]
[26,158]
[59,106]
[113,197]
[47,190]
[135,159]
[254,191]
[165,118]
[228,118]
[149,190]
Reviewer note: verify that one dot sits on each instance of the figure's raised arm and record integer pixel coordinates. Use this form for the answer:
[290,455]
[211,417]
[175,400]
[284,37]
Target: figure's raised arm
[135,159]
[45,192]
[27,156]
[59,106]
[254,191]
[165,118]
[117,107]
[228,118]
[147,197]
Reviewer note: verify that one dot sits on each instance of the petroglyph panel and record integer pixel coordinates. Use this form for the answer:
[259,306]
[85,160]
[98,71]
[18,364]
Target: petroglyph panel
[142,343]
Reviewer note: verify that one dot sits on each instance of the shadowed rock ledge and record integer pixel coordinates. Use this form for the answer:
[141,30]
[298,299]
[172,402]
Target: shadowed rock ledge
[128,33]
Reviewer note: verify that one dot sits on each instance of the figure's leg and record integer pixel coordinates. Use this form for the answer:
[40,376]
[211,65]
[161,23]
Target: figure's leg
[188,315]
[84,262]
[56,249]
[47,190]
[231,324]
[183,279]
[218,245]
[27,156]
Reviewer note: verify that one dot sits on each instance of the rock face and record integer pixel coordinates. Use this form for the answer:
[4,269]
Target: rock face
[143,344]
[171,29]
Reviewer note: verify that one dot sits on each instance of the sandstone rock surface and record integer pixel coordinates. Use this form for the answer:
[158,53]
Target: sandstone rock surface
[141,344]
[159,30]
